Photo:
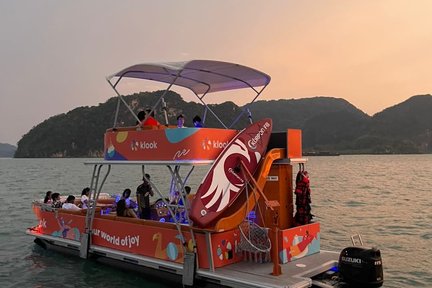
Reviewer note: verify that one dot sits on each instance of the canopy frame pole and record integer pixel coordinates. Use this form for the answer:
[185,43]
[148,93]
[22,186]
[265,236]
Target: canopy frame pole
[246,107]
[163,95]
[211,111]
[204,115]
[124,102]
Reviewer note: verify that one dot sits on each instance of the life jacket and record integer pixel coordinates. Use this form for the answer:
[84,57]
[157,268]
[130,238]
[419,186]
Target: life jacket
[303,199]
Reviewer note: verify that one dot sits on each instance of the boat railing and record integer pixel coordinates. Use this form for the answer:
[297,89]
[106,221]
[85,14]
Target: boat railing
[139,128]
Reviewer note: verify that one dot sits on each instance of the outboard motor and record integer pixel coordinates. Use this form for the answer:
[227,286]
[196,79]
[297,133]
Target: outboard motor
[361,267]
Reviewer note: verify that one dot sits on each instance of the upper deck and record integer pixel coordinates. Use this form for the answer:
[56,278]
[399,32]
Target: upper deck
[165,144]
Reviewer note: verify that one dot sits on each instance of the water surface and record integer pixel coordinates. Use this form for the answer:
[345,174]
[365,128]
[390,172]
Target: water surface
[387,199]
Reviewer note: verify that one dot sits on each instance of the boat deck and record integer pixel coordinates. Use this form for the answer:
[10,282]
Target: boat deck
[294,274]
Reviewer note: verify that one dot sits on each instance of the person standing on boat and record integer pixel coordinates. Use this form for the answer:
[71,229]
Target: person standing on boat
[144,191]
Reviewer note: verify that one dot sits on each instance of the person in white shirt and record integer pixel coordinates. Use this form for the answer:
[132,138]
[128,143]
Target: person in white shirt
[70,204]
[84,197]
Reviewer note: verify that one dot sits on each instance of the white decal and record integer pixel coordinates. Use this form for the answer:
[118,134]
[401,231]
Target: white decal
[218,188]
[42,223]
[272,178]
[126,241]
[180,153]
[219,145]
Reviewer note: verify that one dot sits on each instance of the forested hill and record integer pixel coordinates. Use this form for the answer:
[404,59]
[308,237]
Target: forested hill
[328,124]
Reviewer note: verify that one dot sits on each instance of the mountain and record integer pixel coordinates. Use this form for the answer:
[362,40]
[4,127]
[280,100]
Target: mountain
[7,150]
[328,124]
[405,127]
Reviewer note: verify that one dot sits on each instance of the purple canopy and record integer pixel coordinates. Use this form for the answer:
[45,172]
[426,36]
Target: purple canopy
[200,76]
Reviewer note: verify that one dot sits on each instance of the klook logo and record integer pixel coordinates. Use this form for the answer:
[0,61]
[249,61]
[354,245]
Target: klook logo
[143,145]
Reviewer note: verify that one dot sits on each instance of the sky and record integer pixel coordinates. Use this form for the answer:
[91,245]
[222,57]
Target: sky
[55,55]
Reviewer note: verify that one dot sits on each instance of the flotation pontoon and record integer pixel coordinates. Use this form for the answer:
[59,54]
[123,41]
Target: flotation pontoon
[250,240]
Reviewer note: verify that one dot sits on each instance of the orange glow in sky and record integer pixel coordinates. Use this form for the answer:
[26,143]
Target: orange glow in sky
[55,55]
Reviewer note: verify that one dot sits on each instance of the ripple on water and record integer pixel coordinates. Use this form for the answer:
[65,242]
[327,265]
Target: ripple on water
[426,236]
[353,203]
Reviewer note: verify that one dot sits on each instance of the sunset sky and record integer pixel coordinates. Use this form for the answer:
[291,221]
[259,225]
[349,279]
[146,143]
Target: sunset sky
[55,55]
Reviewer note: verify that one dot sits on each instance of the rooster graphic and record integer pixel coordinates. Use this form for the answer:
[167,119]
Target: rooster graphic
[219,192]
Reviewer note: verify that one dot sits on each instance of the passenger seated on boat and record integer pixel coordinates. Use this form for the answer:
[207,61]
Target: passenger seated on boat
[56,203]
[143,192]
[47,199]
[123,211]
[70,204]
[141,116]
[125,196]
[84,198]
[174,197]
[151,121]
[180,213]
[180,121]
[189,196]
[197,122]
[186,196]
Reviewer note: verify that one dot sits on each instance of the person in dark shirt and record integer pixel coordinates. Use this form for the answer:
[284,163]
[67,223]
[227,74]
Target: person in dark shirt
[48,199]
[56,203]
[141,116]
[123,211]
[197,122]
[144,191]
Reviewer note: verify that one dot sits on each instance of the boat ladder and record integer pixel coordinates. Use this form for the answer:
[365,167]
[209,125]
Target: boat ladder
[357,240]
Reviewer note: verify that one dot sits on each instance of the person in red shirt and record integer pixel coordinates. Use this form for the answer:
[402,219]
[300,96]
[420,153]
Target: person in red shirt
[150,121]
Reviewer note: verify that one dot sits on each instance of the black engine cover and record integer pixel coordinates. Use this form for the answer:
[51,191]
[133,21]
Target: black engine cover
[361,267]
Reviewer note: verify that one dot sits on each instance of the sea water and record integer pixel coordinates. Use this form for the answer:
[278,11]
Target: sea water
[386,199]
